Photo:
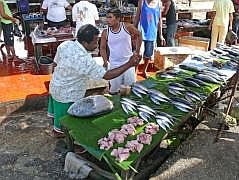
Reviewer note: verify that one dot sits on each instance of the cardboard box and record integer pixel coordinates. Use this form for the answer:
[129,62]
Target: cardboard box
[193,42]
[165,57]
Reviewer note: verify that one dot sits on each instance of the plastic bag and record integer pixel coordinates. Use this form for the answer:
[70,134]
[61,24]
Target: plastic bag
[16,31]
[231,37]
[91,106]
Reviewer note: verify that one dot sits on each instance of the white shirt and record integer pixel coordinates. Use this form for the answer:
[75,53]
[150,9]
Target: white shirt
[222,8]
[83,13]
[120,46]
[75,67]
[55,9]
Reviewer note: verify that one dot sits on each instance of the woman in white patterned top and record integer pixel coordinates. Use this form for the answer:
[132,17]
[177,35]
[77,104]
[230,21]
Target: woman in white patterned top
[74,68]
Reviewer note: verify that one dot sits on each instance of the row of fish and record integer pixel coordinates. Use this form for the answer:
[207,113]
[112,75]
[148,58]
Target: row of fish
[164,120]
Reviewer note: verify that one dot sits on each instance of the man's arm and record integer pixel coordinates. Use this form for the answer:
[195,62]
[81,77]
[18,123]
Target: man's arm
[135,34]
[230,21]
[138,13]
[4,15]
[160,31]
[103,47]
[113,73]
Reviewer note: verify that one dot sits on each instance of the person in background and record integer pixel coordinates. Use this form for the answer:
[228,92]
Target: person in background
[118,39]
[149,16]
[235,26]
[169,12]
[74,67]
[56,13]
[84,12]
[134,2]
[7,21]
[221,21]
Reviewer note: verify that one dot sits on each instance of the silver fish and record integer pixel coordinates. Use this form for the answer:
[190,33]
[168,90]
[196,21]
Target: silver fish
[191,83]
[158,93]
[164,118]
[140,86]
[127,104]
[155,101]
[130,101]
[139,90]
[159,122]
[198,81]
[159,98]
[167,115]
[147,107]
[127,108]
[194,96]
[144,116]
[137,93]
[146,111]
[174,92]
[206,78]
[182,108]
[182,105]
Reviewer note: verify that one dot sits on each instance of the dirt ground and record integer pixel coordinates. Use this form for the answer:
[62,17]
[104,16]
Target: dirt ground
[27,152]
[199,157]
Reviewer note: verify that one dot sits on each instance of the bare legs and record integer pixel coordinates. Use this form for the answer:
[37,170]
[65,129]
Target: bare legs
[145,67]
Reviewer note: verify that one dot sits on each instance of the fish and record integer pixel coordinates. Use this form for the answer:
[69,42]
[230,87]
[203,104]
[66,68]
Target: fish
[189,68]
[139,90]
[154,92]
[135,92]
[164,118]
[167,115]
[181,100]
[214,71]
[182,108]
[219,51]
[144,116]
[159,122]
[180,104]
[165,75]
[191,83]
[174,92]
[176,86]
[233,52]
[146,111]
[198,81]
[198,58]
[192,95]
[206,78]
[214,75]
[127,109]
[147,107]
[127,104]
[154,100]
[129,101]
[139,86]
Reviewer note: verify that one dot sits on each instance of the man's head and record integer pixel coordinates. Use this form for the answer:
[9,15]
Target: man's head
[113,17]
[87,35]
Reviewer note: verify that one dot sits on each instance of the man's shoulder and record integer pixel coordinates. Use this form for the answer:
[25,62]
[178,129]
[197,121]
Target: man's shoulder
[67,44]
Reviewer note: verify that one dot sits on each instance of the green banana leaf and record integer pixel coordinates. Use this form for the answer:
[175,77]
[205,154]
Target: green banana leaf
[87,131]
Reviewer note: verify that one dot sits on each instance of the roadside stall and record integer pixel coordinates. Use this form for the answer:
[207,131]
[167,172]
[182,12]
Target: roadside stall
[154,108]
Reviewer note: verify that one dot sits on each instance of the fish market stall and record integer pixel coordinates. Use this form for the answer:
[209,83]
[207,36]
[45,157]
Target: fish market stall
[155,107]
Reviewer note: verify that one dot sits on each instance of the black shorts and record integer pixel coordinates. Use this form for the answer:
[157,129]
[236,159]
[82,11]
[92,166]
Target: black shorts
[56,24]
[7,30]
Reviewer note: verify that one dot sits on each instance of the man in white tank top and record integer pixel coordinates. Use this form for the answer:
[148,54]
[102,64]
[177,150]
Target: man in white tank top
[117,40]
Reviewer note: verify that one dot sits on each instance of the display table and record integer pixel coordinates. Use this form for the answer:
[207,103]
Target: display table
[38,42]
[87,131]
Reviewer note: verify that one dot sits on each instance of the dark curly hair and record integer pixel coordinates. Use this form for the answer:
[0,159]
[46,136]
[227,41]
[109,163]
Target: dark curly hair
[87,33]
